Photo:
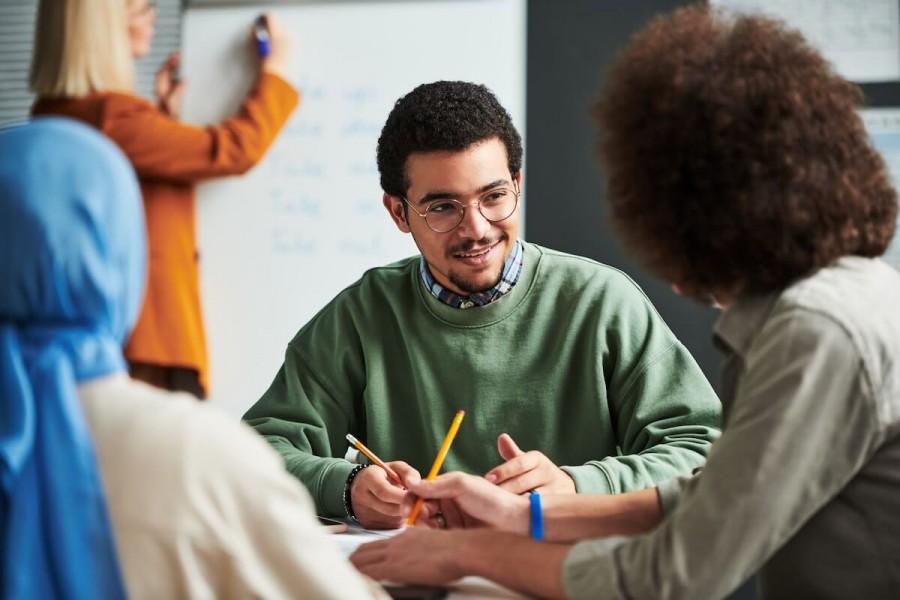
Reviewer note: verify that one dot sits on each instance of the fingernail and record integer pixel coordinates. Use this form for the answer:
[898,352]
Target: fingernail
[491,477]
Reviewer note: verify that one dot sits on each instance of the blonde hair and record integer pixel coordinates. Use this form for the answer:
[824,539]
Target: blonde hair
[81,47]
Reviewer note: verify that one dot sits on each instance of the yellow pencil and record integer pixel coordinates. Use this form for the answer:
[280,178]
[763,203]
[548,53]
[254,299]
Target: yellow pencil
[371,456]
[441,455]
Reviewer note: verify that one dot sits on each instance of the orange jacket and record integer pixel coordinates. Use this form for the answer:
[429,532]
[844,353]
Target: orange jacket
[169,158]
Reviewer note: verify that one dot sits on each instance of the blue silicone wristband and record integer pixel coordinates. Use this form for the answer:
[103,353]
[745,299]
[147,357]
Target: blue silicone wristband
[537,517]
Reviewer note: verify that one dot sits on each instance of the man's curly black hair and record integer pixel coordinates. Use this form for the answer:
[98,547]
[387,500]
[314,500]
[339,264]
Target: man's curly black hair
[444,115]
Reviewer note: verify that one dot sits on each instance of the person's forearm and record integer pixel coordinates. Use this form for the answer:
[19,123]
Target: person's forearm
[584,516]
[534,568]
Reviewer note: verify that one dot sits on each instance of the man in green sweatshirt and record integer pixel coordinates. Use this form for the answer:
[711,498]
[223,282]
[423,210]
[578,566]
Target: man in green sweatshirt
[546,351]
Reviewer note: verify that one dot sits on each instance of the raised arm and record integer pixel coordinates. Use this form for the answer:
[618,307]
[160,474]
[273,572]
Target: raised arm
[162,148]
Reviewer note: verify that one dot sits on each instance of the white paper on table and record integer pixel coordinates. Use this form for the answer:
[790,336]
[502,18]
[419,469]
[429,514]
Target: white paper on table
[355,536]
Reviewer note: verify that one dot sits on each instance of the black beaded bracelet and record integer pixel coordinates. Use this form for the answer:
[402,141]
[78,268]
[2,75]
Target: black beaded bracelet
[348,505]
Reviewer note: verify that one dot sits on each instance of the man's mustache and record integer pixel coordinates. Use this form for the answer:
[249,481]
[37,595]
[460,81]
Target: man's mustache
[469,245]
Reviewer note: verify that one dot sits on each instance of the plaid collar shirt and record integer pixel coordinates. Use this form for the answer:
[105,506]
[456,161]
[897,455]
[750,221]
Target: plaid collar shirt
[508,278]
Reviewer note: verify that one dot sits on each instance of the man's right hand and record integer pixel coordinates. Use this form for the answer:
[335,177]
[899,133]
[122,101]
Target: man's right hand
[376,500]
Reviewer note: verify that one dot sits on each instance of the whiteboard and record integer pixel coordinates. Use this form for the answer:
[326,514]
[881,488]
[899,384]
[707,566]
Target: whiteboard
[279,242]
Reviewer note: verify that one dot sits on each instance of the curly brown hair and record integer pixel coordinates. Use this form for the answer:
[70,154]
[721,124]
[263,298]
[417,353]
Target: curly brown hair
[735,157]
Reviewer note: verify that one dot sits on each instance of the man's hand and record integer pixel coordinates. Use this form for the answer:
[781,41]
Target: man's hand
[415,556]
[376,500]
[429,557]
[168,88]
[526,471]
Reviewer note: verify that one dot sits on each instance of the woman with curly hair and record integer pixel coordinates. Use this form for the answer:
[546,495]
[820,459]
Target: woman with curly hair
[738,171]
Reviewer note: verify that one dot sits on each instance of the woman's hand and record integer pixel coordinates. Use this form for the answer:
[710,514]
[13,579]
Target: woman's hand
[168,87]
[280,46]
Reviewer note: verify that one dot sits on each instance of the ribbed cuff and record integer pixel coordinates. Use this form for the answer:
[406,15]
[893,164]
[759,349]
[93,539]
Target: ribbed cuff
[670,493]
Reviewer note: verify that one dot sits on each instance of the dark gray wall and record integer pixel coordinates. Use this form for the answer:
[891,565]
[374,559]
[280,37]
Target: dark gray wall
[570,43]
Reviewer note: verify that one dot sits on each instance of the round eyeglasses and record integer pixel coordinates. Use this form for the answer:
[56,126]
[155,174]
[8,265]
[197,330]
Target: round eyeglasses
[494,205]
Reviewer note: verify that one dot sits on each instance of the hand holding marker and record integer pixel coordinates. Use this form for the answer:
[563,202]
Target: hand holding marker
[261,33]
[272,45]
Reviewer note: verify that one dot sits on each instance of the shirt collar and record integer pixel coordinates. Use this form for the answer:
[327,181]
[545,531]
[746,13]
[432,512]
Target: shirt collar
[738,325]
[508,278]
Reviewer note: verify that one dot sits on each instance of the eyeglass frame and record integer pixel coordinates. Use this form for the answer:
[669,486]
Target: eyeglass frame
[464,207]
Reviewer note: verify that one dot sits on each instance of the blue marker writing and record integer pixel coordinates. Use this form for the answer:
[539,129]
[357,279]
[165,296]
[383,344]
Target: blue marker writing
[261,32]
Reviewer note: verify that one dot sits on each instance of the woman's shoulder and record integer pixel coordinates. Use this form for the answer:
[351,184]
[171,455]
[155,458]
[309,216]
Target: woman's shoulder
[159,424]
[120,106]
[96,109]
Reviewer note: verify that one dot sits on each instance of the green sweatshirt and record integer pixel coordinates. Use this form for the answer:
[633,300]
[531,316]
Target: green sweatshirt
[574,361]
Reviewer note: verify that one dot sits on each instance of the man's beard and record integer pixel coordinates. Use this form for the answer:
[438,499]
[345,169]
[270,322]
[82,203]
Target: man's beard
[470,287]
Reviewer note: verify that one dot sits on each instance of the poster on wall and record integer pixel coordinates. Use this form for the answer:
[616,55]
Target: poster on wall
[883,125]
[861,38]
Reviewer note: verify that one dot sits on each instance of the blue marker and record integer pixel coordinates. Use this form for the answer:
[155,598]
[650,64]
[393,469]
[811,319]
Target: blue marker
[261,32]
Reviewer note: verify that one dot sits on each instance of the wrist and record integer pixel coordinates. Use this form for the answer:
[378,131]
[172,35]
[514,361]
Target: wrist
[274,68]
[347,495]
[518,515]
[473,552]
[536,513]
[167,108]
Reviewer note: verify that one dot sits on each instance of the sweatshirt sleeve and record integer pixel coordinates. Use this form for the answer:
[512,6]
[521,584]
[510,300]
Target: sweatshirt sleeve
[163,148]
[670,492]
[665,413]
[305,421]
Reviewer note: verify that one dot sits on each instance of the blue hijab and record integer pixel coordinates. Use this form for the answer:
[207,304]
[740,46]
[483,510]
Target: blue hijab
[72,252]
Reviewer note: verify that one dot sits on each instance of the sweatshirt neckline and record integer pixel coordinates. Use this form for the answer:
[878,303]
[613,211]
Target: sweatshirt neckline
[482,316]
